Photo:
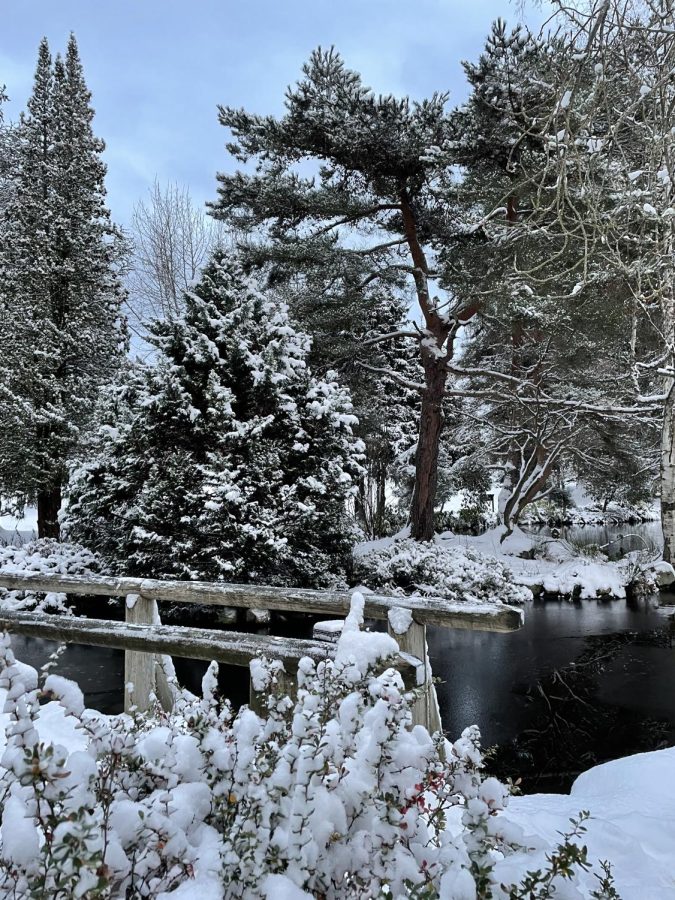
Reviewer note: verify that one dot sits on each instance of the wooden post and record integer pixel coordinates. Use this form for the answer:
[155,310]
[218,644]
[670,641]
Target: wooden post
[164,680]
[139,668]
[411,638]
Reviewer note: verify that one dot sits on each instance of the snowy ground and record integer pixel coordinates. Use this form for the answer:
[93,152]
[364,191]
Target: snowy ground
[631,802]
[632,824]
[556,568]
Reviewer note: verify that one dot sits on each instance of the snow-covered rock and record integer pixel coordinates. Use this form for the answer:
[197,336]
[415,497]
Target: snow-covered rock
[662,572]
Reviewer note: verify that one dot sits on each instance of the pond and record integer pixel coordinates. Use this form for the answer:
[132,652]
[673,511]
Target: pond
[580,683]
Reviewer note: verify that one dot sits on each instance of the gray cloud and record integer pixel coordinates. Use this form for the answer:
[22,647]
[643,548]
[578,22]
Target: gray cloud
[158,68]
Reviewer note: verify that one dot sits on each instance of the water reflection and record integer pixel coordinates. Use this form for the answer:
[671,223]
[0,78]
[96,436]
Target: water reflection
[485,676]
[615,540]
[579,684]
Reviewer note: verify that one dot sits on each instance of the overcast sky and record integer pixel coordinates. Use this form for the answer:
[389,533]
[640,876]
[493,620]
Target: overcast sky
[159,68]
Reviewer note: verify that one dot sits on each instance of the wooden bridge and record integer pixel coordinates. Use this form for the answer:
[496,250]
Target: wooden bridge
[146,641]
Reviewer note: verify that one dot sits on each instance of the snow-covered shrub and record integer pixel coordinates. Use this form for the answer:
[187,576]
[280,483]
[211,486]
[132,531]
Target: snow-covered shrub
[454,573]
[47,557]
[333,794]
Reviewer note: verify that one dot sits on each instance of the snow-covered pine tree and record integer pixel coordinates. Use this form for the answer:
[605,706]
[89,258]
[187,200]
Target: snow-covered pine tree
[384,192]
[226,459]
[60,292]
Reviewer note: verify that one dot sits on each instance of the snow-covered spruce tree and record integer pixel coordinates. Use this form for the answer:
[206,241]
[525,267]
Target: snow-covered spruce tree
[60,294]
[227,459]
[346,322]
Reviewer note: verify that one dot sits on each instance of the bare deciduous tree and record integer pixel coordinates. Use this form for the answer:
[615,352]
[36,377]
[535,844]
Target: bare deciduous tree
[172,240]
[609,185]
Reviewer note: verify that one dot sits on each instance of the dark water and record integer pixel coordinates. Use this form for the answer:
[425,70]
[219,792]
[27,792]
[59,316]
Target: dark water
[484,674]
[580,683]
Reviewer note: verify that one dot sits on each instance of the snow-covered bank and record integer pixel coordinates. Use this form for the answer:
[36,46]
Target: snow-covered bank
[455,565]
[556,569]
[590,514]
[631,803]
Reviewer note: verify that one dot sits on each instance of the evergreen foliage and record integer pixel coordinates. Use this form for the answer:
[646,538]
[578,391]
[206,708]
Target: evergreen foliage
[374,210]
[227,459]
[60,292]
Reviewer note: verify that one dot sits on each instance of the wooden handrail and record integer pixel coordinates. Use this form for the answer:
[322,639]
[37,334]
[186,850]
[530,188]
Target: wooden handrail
[426,610]
[144,639]
[232,647]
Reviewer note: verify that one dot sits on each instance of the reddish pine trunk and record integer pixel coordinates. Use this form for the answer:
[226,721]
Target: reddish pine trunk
[49,504]
[426,459]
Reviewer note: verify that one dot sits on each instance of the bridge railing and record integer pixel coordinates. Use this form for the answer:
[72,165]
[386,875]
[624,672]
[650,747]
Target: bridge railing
[146,641]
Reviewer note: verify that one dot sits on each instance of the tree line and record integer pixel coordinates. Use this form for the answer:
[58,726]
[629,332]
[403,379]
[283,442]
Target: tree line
[391,301]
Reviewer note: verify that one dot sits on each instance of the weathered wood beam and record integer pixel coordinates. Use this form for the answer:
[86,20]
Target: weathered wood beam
[231,647]
[411,638]
[139,668]
[428,610]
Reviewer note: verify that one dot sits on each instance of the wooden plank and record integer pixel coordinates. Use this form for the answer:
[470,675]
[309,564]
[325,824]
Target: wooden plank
[428,610]
[139,668]
[230,647]
[164,688]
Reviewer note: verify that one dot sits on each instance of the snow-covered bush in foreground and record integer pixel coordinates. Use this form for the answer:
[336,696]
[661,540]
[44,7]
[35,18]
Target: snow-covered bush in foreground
[332,795]
[47,557]
[452,572]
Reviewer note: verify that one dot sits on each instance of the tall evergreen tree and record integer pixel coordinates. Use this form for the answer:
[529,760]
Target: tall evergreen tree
[229,460]
[59,288]
[4,150]
[382,194]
